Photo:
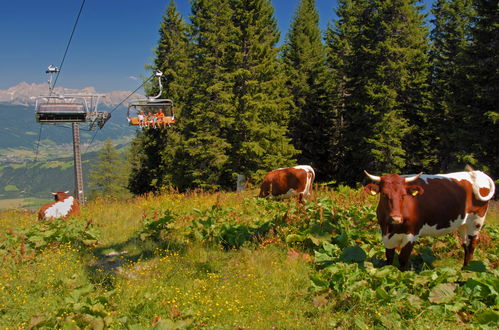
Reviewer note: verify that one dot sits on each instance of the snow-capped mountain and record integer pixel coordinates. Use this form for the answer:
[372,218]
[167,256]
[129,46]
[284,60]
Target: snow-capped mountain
[25,94]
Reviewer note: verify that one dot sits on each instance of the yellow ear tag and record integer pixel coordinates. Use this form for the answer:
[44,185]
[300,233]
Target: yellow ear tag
[414,193]
[373,192]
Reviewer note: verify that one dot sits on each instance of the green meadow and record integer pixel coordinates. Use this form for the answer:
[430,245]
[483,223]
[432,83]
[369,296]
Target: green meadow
[232,261]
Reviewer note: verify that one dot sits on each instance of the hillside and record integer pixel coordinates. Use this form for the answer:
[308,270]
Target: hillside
[21,177]
[232,261]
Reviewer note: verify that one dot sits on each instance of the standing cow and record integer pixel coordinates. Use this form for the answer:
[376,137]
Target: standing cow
[64,206]
[288,182]
[430,205]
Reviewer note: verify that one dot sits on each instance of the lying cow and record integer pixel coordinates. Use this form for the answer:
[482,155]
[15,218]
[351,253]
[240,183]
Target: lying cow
[288,182]
[430,205]
[65,205]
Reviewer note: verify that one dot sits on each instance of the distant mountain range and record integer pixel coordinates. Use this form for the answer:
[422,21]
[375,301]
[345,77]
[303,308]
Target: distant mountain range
[25,94]
[36,159]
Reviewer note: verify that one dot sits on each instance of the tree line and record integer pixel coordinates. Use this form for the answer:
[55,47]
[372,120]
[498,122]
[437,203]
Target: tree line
[385,88]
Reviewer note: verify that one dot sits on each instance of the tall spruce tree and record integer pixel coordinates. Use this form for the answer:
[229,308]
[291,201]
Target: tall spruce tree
[382,49]
[154,150]
[451,38]
[483,92]
[209,114]
[312,124]
[258,140]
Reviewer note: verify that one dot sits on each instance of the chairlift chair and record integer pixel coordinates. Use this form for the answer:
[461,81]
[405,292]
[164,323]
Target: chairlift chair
[152,112]
[144,113]
[69,108]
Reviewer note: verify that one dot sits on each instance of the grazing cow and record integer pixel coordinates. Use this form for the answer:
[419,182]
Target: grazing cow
[64,206]
[288,182]
[430,205]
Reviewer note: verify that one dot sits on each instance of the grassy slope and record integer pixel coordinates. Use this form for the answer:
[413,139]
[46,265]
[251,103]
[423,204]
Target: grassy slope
[53,169]
[22,203]
[179,282]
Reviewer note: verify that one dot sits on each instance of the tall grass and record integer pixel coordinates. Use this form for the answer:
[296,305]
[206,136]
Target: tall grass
[230,261]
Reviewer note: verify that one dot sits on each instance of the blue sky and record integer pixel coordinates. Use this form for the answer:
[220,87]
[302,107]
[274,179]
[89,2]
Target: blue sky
[113,40]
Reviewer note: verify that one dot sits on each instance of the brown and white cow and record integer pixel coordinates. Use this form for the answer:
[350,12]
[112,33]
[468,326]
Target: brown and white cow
[65,205]
[430,205]
[288,182]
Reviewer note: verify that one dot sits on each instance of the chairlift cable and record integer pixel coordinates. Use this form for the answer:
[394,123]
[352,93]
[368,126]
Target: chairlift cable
[91,141]
[67,46]
[38,143]
[116,107]
[129,95]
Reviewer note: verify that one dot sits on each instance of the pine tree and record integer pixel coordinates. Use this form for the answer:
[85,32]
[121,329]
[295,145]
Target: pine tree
[108,177]
[312,124]
[208,115]
[382,49]
[482,98]
[262,103]
[153,165]
[451,37]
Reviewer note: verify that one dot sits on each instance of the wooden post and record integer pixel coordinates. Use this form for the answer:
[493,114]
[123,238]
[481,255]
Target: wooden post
[78,168]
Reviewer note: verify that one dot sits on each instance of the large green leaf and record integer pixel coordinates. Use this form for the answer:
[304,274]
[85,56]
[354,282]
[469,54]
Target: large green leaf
[443,293]
[487,316]
[353,254]
[476,266]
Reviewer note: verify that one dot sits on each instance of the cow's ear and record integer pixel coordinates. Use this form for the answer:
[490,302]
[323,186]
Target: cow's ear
[372,189]
[415,190]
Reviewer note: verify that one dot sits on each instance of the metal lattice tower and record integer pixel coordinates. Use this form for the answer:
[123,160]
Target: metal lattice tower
[78,167]
[75,109]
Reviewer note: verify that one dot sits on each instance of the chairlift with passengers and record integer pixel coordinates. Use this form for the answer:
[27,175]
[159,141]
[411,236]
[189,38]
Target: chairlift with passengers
[152,112]
[69,108]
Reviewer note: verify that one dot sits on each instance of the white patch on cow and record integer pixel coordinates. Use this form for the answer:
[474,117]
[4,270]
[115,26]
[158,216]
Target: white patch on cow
[433,231]
[470,224]
[310,177]
[477,179]
[307,168]
[472,227]
[393,241]
[59,209]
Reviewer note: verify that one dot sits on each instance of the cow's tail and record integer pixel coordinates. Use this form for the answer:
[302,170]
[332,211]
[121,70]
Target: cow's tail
[476,185]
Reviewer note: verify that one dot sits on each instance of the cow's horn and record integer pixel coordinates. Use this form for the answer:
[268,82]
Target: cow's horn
[53,193]
[373,177]
[413,178]
[66,192]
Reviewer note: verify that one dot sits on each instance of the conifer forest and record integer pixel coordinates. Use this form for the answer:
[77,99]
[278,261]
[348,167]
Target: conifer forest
[387,87]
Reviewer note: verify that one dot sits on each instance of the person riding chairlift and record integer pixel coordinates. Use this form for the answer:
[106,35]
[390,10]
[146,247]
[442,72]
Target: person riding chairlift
[160,117]
[141,118]
[150,120]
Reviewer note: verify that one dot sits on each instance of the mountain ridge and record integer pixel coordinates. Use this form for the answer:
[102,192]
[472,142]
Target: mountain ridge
[25,94]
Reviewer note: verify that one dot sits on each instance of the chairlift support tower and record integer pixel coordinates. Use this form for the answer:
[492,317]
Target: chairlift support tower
[75,109]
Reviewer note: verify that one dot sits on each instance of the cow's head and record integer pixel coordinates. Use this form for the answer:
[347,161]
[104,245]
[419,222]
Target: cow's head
[395,189]
[60,195]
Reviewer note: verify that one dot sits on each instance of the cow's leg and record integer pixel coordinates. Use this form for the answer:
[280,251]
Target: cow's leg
[404,255]
[469,235]
[470,249]
[463,235]
[390,253]
[299,198]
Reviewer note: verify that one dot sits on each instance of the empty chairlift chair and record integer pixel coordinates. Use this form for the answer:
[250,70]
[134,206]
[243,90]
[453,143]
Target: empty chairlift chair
[61,112]
[77,108]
